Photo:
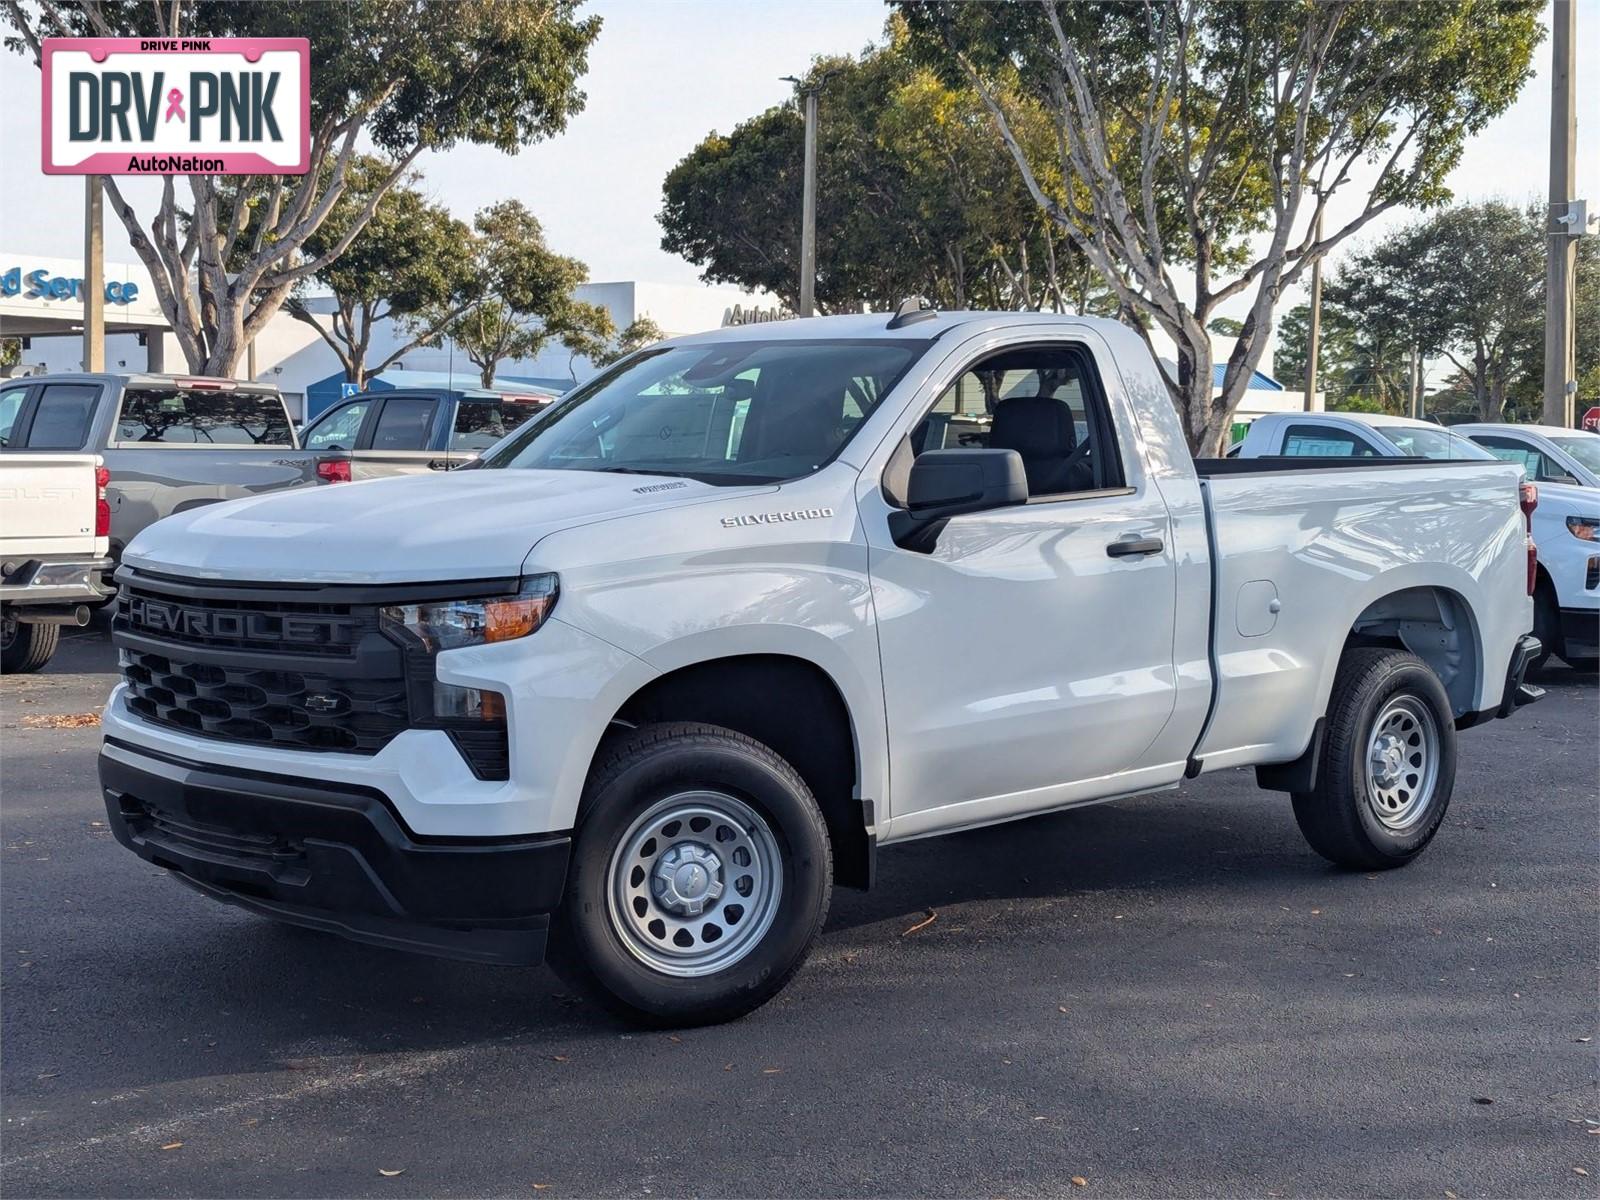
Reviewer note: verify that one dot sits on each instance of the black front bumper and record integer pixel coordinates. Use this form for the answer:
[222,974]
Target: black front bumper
[1580,633]
[334,857]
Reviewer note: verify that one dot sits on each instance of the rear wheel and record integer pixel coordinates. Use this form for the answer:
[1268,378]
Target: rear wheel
[700,877]
[25,647]
[1546,623]
[1388,762]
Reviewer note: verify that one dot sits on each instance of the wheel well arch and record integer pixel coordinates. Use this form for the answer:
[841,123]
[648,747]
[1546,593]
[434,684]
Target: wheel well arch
[792,706]
[1434,623]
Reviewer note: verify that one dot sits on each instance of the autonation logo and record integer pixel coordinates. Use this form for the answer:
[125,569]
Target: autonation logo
[168,106]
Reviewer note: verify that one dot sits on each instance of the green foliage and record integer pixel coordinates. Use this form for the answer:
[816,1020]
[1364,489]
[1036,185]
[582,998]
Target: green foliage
[1213,133]
[639,333]
[412,262]
[1466,284]
[10,351]
[528,299]
[916,196]
[1225,326]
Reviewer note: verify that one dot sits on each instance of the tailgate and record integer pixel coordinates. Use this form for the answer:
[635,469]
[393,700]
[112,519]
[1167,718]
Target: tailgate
[48,504]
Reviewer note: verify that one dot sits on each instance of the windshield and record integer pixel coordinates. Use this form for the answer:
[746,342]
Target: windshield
[1586,449]
[1423,441]
[726,413]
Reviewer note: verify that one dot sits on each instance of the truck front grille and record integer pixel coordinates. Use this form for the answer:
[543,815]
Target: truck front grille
[304,669]
[268,707]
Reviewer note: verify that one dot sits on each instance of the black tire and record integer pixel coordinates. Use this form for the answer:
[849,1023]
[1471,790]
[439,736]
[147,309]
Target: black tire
[635,774]
[1344,817]
[1546,623]
[24,647]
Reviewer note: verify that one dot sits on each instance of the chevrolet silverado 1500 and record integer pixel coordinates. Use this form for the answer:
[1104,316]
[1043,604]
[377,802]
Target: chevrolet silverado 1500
[640,687]
[53,525]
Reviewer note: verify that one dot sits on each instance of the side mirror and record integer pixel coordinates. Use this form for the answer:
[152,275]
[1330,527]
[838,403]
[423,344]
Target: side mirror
[947,483]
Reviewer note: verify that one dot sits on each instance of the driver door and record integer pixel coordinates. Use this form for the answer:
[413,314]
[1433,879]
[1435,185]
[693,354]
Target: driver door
[1029,654]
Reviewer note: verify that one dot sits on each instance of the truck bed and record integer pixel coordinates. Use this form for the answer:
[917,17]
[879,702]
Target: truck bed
[1299,552]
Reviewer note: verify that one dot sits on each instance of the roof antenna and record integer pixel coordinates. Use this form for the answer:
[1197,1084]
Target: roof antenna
[912,309]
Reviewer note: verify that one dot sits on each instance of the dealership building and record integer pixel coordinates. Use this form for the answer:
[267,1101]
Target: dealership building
[41,302]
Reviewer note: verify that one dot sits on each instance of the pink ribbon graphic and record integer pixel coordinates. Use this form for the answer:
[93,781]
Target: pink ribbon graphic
[175,105]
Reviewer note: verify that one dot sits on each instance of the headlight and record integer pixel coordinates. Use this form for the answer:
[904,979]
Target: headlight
[1587,528]
[449,624]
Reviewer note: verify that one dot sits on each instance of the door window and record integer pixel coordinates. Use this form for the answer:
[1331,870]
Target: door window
[203,417]
[482,423]
[61,418]
[1316,441]
[338,428]
[1045,403]
[404,423]
[10,406]
[1534,464]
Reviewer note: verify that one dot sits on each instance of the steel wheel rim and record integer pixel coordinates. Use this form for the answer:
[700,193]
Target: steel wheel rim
[1402,763]
[694,883]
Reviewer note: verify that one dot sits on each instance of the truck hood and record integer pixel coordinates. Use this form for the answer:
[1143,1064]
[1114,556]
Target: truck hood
[477,524]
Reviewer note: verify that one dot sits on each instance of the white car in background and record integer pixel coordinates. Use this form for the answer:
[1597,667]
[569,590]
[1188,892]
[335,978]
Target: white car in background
[1353,435]
[1565,463]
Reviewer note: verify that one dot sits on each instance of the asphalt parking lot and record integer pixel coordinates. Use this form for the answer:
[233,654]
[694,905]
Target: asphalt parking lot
[1168,996]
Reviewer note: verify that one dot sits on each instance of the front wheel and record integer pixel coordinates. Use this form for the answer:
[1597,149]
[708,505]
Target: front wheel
[1388,763]
[700,877]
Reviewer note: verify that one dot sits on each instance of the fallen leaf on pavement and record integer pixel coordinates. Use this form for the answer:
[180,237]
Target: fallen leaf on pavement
[1579,1171]
[62,720]
[559,1058]
[172,1146]
[1079,1181]
[388,1174]
[539,1187]
[1483,1099]
[924,923]
[772,1070]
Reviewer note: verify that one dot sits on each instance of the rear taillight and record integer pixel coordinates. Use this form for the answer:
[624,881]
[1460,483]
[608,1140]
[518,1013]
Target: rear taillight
[1528,500]
[102,506]
[334,470]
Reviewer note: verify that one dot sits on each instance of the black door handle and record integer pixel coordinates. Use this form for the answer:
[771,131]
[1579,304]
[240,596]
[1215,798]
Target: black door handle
[1124,547]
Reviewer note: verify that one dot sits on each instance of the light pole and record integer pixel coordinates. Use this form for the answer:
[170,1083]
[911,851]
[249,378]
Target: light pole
[808,199]
[1561,239]
[1314,332]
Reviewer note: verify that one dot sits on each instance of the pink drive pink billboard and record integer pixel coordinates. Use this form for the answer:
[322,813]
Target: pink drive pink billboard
[176,106]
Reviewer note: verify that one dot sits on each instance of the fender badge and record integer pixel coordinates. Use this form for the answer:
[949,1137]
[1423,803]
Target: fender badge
[777,518]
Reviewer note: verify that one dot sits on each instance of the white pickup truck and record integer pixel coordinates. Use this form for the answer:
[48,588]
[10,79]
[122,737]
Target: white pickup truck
[54,547]
[664,666]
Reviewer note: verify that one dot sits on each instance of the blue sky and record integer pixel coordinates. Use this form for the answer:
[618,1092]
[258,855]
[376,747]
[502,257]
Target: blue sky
[663,74]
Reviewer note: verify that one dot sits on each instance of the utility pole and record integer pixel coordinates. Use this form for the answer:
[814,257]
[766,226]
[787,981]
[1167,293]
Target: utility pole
[1561,236]
[808,199]
[94,276]
[808,218]
[1314,338]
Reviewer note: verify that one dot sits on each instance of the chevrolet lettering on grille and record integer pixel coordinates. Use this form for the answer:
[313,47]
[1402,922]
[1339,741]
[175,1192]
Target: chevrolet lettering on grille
[158,618]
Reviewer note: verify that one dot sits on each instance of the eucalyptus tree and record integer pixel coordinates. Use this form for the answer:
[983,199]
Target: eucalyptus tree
[1189,128]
